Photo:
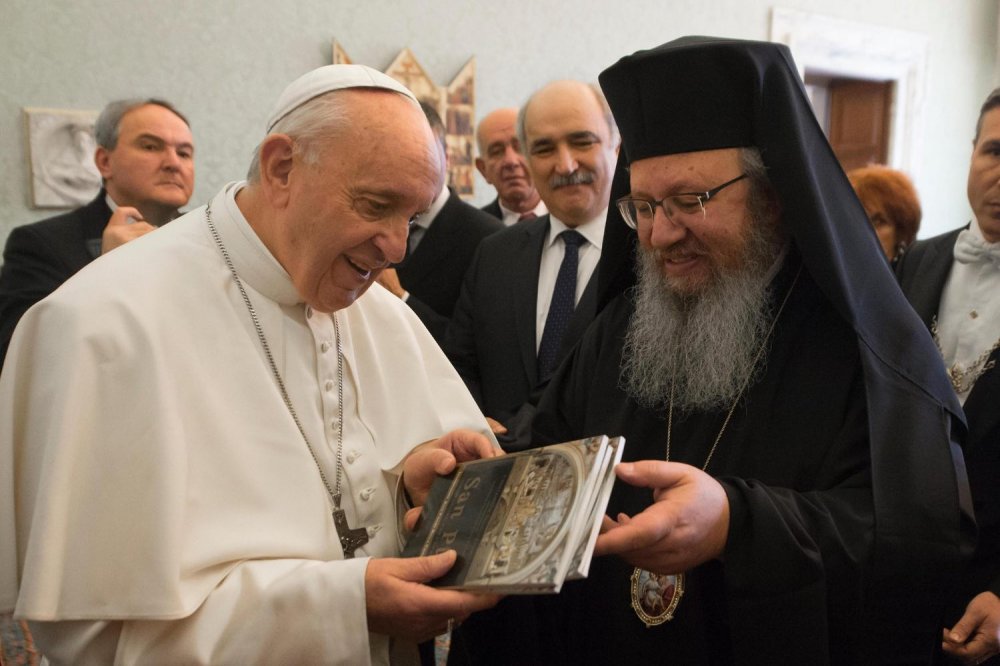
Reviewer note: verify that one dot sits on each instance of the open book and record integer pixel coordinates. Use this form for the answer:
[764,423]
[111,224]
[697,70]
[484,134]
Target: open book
[521,523]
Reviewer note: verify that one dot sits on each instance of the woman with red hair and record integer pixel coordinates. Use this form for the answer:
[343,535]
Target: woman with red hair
[892,205]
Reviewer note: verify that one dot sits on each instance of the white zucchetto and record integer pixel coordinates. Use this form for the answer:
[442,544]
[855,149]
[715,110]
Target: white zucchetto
[327,79]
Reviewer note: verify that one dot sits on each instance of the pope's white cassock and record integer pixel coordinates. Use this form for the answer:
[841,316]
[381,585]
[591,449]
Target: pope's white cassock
[157,503]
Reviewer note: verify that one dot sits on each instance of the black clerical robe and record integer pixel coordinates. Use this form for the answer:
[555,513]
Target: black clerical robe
[795,464]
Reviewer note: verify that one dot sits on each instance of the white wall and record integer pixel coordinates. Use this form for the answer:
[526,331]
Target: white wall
[224,69]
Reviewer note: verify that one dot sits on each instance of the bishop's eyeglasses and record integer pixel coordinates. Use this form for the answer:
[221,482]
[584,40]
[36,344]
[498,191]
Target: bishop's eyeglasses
[679,208]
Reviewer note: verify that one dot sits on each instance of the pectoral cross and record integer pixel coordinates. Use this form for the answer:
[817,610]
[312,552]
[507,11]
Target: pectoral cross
[350,539]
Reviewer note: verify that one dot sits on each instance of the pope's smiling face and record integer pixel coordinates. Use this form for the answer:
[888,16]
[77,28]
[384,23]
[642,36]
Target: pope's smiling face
[347,215]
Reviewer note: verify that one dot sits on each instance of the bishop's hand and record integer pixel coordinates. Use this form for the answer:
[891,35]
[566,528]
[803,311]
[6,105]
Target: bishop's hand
[686,525]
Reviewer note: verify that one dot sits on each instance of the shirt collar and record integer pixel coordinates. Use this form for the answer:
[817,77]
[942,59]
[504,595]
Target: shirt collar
[510,217]
[253,262]
[592,229]
[427,219]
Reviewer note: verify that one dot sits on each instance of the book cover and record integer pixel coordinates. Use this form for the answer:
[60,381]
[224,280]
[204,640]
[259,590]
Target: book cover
[523,522]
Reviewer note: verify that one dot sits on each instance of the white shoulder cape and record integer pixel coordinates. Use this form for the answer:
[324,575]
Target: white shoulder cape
[144,449]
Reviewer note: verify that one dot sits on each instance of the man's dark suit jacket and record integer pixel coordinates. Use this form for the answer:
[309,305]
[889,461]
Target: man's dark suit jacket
[491,338]
[41,256]
[433,272]
[493,208]
[922,273]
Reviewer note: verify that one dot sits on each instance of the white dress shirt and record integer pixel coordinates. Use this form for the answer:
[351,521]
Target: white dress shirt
[968,322]
[552,255]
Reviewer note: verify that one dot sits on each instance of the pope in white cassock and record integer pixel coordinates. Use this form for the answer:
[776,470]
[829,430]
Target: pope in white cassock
[206,435]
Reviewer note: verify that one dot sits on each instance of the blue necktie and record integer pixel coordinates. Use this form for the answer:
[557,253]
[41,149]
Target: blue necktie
[562,306]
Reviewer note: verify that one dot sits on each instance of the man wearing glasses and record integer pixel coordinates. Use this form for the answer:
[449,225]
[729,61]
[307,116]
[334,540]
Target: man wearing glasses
[789,494]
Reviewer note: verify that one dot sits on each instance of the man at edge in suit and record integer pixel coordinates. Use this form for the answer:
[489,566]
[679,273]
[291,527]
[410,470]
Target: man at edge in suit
[438,250]
[953,282]
[502,339]
[503,166]
[145,155]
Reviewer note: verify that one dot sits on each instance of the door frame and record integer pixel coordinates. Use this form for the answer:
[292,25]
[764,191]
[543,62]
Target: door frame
[839,48]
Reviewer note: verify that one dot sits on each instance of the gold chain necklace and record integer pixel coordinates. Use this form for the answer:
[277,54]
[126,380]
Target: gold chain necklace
[963,379]
[655,596]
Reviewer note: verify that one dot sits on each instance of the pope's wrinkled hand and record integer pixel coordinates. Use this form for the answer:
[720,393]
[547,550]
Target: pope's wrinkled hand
[399,604]
[686,525]
[976,636]
[439,457]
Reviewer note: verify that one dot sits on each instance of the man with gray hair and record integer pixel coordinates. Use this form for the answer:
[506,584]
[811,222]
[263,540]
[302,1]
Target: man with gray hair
[209,438]
[145,155]
[530,293]
[504,166]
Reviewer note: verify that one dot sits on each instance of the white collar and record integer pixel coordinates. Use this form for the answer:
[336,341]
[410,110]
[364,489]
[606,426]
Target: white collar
[427,219]
[592,229]
[254,263]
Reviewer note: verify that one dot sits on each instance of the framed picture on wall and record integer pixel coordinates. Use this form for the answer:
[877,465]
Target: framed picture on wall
[455,103]
[61,149]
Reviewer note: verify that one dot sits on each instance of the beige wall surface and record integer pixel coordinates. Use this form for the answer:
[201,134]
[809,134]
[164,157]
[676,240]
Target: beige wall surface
[224,63]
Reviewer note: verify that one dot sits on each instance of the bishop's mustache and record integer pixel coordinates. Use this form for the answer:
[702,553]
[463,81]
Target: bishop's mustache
[578,177]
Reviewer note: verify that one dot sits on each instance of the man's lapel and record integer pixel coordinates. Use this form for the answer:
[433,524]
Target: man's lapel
[929,275]
[526,291]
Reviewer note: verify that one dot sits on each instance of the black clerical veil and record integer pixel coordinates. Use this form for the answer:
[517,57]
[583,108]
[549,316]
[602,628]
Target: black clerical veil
[700,93]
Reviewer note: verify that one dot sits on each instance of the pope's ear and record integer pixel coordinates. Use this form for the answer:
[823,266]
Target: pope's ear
[481,166]
[277,159]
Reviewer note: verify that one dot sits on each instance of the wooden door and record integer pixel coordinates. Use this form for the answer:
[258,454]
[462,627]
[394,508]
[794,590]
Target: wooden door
[860,112]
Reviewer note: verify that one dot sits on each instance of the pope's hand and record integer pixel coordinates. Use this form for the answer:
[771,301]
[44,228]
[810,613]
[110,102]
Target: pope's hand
[126,224]
[439,457]
[398,603]
[686,525]
[976,636]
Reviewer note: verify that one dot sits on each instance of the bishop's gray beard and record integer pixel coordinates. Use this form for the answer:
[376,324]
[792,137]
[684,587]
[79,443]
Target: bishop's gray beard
[705,347]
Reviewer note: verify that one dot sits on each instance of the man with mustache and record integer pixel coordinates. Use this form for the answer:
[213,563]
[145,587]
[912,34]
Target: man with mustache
[145,154]
[953,282]
[502,163]
[530,292]
[792,491]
